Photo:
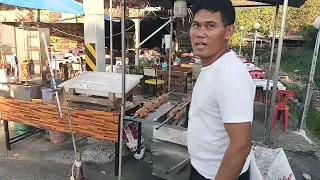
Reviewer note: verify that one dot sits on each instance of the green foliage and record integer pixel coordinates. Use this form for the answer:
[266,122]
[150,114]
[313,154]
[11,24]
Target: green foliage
[297,19]
[300,59]
[309,33]
[296,110]
[179,53]
[313,116]
[247,17]
[141,66]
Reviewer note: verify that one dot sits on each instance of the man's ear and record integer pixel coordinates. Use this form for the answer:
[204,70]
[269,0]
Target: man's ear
[230,31]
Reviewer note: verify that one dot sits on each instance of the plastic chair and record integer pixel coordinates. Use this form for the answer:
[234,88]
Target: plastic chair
[154,81]
[257,74]
[260,93]
[248,62]
[242,58]
[283,97]
[178,81]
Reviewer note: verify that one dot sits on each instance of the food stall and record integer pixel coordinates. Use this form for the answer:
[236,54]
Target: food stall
[168,114]
[91,99]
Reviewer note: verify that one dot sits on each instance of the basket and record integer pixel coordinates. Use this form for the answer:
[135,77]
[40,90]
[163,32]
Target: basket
[57,137]
[21,128]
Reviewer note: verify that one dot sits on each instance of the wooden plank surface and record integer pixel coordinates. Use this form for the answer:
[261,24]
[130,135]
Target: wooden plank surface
[93,123]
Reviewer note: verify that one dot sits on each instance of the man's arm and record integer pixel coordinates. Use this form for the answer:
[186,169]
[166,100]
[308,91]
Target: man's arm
[235,96]
[237,152]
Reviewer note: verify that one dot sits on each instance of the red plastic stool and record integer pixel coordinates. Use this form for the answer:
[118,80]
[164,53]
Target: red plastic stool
[283,97]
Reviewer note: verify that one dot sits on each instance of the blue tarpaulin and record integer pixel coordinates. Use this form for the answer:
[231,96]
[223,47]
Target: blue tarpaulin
[62,6]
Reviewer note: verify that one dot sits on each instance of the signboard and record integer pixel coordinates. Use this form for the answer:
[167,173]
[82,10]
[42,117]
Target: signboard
[130,12]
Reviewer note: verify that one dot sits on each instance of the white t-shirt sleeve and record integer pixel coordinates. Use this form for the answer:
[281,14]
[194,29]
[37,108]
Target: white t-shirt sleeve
[235,96]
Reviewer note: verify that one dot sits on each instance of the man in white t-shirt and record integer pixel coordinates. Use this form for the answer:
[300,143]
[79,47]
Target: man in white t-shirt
[221,112]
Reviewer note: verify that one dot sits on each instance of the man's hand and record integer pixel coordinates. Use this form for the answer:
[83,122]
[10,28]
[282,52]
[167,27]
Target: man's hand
[237,152]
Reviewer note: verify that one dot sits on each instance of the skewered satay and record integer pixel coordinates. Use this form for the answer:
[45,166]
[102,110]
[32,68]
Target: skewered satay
[172,112]
[142,113]
[161,99]
[149,106]
[177,112]
[139,103]
[165,97]
[156,103]
[186,99]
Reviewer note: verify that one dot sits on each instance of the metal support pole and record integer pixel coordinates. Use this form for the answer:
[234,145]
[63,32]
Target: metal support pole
[94,30]
[241,36]
[38,17]
[170,50]
[137,40]
[276,74]
[7,134]
[155,32]
[111,34]
[271,61]
[123,98]
[310,84]
[254,44]
[53,79]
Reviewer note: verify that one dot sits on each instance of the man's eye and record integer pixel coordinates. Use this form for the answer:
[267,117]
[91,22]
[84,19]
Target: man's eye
[211,26]
[195,25]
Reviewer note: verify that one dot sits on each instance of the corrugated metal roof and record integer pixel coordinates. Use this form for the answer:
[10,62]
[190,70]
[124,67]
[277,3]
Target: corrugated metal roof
[293,3]
[169,3]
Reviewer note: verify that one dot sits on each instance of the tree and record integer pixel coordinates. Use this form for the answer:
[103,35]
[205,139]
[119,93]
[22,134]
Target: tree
[297,19]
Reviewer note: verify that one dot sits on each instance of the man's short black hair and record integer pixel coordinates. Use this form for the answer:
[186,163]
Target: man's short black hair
[225,8]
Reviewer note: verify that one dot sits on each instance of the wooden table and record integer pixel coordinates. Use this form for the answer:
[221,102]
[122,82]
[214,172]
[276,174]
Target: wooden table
[93,123]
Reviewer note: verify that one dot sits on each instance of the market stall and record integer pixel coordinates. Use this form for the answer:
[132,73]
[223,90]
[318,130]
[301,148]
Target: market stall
[169,123]
[93,113]
[168,115]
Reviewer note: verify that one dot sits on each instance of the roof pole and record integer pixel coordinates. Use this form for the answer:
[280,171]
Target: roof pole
[170,50]
[241,39]
[267,136]
[254,44]
[302,123]
[123,98]
[271,61]
[111,34]
[137,40]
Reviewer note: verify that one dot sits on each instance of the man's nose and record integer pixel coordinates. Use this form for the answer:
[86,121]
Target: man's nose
[201,33]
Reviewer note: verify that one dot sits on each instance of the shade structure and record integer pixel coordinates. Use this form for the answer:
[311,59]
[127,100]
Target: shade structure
[169,3]
[62,6]
[292,3]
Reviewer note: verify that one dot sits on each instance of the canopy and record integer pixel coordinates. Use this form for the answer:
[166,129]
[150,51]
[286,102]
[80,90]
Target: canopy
[292,3]
[169,3]
[62,6]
